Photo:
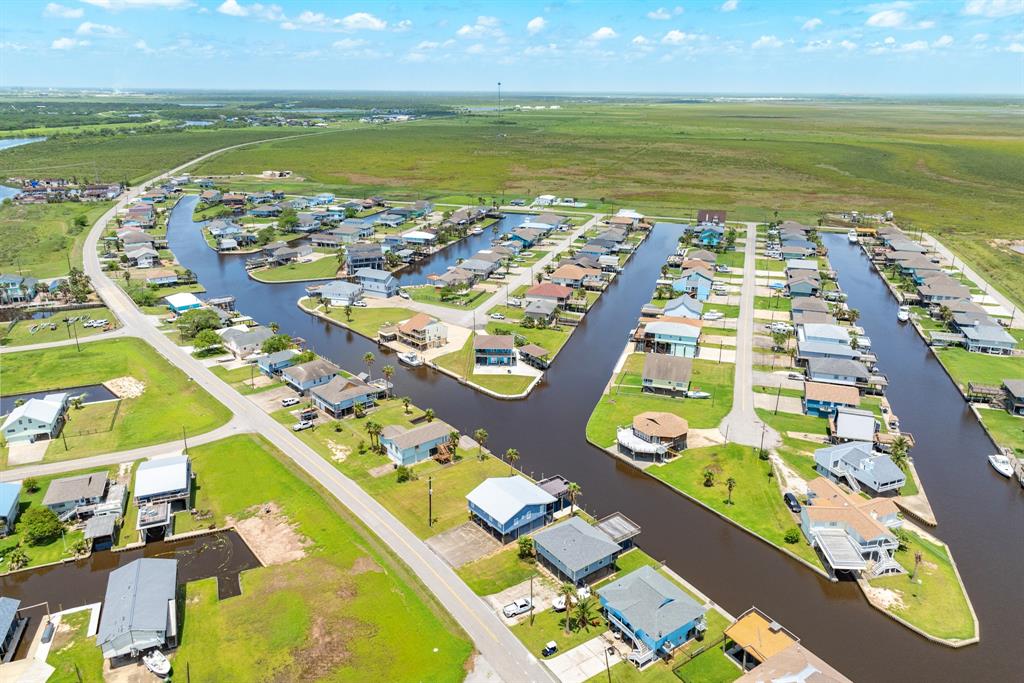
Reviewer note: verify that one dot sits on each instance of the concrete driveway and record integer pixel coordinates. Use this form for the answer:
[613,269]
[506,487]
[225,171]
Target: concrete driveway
[270,400]
[25,453]
[585,661]
[777,379]
[463,544]
[786,404]
[544,593]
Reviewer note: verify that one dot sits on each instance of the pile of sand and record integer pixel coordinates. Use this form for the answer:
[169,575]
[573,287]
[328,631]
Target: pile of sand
[125,387]
[885,598]
[338,451]
[271,536]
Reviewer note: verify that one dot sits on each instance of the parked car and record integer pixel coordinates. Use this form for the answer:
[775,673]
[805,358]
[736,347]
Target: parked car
[713,315]
[792,503]
[289,401]
[796,376]
[722,269]
[299,426]
[359,304]
[785,328]
[497,316]
[404,294]
[514,609]
[549,649]
[697,394]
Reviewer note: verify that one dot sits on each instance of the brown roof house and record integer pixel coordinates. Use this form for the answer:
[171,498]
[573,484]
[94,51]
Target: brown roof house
[423,331]
[653,435]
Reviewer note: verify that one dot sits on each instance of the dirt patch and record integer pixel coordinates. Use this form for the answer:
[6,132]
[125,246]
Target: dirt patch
[791,481]
[326,649]
[339,452]
[271,536]
[885,598]
[363,565]
[125,387]
[381,470]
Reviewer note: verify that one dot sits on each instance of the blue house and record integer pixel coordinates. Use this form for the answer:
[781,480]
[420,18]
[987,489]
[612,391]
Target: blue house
[410,446]
[711,235]
[15,289]
[182,301]
[304,377]
[321,199]
[837,371]
[10,491]
[272,364]
[575,549]
[684,307]
[341,395]
[673,338]
[824,400]
[379,283]
[653,614]
[694,281]
[509,506]
[266,211]
[494,349]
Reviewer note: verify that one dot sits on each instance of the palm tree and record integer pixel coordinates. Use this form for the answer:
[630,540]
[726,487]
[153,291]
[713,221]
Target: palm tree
[453,440]
[852,315]
[369,359]
[917,563]
[77,403]
[480,436]
[405,403]
[374,430]
[348,312]
[898,451]
[389,372]
[730,484]
[584,612]
[574,491]
[567,591]
[512,456]
[709,478]
[429,414]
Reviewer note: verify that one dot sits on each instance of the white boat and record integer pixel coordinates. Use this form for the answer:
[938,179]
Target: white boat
[476,231]
[903,314]
[852,236]
[156,662]
[410,358]
[1001,464]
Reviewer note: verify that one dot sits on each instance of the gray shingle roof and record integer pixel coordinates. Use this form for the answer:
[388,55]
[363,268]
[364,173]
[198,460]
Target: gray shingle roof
[663,367]
[71,489]
[576,544]
[651,603]
[314,369]
[837,366]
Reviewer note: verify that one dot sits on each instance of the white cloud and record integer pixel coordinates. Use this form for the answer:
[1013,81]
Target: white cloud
[542,50]
[994,8]
[887,18]
[848,45]
[677,37]
[916,46]
[730,5]
[485,26]
[979,37]
[536,25]
[233,8]
[117,5]
[943,41]
[640,40]
[348,43]
[604,33]
[927,23]
[57,11]
[363,21]
[664,14]
[766,42]
[890,41]
[88,28]
[817,46]
[476,49]
[415,57]
[812,24]
[403,26]
[14,47]
[1015,47]
[67,44]
[143,46]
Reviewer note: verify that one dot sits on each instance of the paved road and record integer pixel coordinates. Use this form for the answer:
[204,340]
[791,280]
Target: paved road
[102,336]
[503,651]
[742,424]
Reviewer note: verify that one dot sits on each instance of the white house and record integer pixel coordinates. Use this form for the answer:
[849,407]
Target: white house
[36,418]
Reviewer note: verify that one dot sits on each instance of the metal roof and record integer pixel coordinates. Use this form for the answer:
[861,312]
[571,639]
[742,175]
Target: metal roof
[136,601]
[618,527]
[162,475]
[504,497]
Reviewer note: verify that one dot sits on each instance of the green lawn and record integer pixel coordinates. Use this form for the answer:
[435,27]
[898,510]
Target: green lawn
[727,310]
[428,294]
[770,264]
[320,269]
[757,500]
[41,239]
[241,379]
[551,339]
[461,362]
[773,303]
[1006,429]
[169,402]
[981,368]
[367,321]
[20,334]
[627,400]
[789,422]
[497,572]
[733,259]
[937,604]
[549,625]
[327,616]
[75,657]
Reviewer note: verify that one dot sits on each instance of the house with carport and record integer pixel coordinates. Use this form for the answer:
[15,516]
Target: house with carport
[822,399]
[509,507]
[36,419]
[859,466]
[139,610]
[666,374]
[314,373]
[342,395]
[574,550]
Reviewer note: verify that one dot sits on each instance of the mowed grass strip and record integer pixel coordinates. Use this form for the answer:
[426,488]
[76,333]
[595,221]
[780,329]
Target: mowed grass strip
[321,269]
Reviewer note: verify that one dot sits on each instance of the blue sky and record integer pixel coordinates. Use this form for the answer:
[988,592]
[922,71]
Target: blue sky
[738,46]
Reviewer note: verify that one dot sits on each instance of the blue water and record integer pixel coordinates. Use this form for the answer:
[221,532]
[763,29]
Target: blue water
[93,393]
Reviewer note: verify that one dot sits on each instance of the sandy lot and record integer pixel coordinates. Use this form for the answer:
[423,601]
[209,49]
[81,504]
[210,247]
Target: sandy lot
[271,536]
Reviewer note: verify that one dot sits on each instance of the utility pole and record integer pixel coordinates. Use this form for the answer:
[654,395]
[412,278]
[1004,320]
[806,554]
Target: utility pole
[531,602]
[430,501]
[499,99]
[184,438]
[778,394]
[607,668]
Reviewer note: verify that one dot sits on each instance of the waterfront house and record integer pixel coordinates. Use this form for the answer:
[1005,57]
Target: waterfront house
[466,216]
[10,493]
[479,267]
[816,340]
[809,305]
[210,197]
[494,349]
[541,310]
[665,374]
[675,337]
[1013,389]
[936,292]
[340,396]
[857,465]
[369,256]
[272,364]
[837,371]
[182,301]
[704,255]
[509,506]
[755,638]
[454,277]
[243,341]
[796,264]
[419,238]
[410,446]
[163,278]
[36,418]
[574,276]
[349,233]
[535,355]
[17,288]
[790,251]
[852,424]
[423,331]
[143,256]
[341,293]
[326,240]
[139,608]
[421,208]
[694,281]
[305,376]
[227,244]
[11,628]
[164,479]
[991,339]
[805,317]
[377,283]
[552,220]
[593,250]
[796,664]
[266,211]
[547,291]
[653,433]
[905,246]
[823,399]
[574,550]
[653,614]
[711,235]
[68,496]
[684,307]
[526,236]
[802,283]
[851,533]
[220,227]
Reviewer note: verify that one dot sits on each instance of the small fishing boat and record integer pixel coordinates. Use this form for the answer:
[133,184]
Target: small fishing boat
[157,663]
[852,236]
[1001,464]
[903,314]
[476,231]
[410,358]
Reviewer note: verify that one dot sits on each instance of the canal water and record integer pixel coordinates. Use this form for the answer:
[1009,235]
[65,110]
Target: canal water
[7,143]
[90,393]
[981,517]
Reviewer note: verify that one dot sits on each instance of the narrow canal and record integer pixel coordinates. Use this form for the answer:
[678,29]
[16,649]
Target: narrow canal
[977,518]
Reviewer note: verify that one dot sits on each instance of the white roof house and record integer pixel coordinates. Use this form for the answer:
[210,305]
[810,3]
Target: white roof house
[36,417]
[164,478]
[853,424]
[182,301]
[502,499]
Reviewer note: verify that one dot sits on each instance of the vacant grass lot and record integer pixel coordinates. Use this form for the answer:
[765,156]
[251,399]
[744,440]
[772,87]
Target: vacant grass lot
[366,321]
[756,499]
[74,656]
[495,573]
[169,402]
[320,269]
[20,334]
[328,616]
[980,368]
[40,240]
[1006,429]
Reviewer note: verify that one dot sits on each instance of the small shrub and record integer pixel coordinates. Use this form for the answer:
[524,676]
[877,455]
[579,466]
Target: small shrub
[792,536]
[525,545]
[404,474]
[31,484]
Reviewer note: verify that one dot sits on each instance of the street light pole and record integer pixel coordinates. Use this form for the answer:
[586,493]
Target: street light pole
[430,501]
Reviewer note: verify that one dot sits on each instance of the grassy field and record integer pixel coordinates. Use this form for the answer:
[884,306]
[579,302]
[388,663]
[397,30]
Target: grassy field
[981,368]
[428,294]
[950,169]
[74,656]
[40,240]
[367,321]
[20,335]
[499,571]
[756,500]
[328,616]
[320,269]
[169,402]
[937,602]
[1006,429]
[626,399]
[551,339]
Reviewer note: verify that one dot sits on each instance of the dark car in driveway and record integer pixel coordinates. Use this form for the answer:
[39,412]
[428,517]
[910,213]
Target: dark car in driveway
[792,503]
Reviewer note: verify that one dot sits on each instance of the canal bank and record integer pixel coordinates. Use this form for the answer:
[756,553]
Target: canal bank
[734,568]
